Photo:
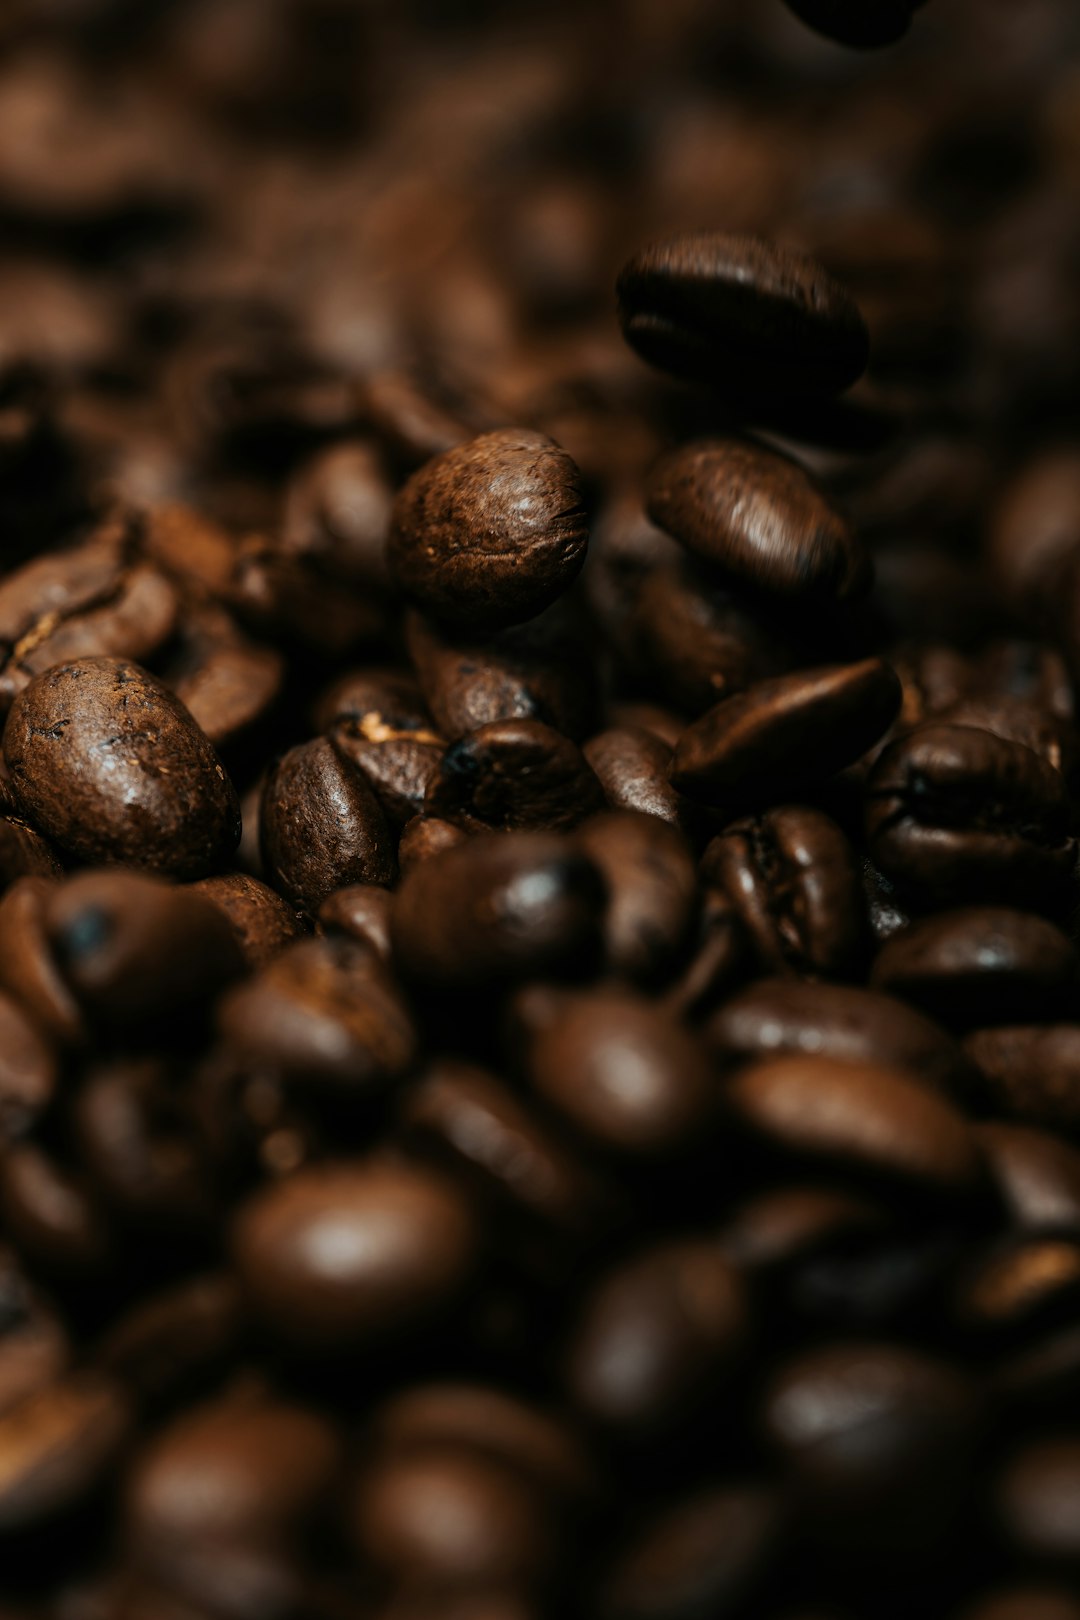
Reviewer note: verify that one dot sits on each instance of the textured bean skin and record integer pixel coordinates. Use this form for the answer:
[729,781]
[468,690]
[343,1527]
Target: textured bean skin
[490,533]
[321,827]
[85,744]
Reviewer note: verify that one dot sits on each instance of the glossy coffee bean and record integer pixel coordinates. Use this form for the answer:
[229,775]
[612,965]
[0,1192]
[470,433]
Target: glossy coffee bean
[859,1119]
[955,815]
[1037,1175]
[377,723]
[1035,1497]
[361,912]
[490,533]
[652,892]
[321,826]
[514,774]
[58,1445]
[980,964]
[757,516]
[425,836]
[796,728]
[348,1255]
[622,1073]
[262,921]
[656,1338]
[1026,1072]
[742,314]
[497,909]
[866,27]
[632,765]
[85,743]
[793,878]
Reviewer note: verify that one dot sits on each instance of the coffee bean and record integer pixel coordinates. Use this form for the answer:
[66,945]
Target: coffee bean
[349,1255]
[321,827]
[29,971]
[490,533]
[632,766]
[337,514]
[1037,1174]
[1021,1288]
[652,892]
[956,815]
[35,1350]
[758,517]
[362,913]
[623,1073]
[51,1216]
[85,744]
[423,837]
[379,725]
[498,909]
[656,1339]
[58,1446]
[227,682]
[1034,1497]
[262,921]
[717,962]
[867,27]
[858,1118]
[1026,1072]
[175,1340]
[144,1153]
[514,774]
[793,878]
[790,1224]
[980,964]
[795,728]
[742,314]
[28,1072]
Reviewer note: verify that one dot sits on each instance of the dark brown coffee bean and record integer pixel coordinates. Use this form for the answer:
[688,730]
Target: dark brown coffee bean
[980,965]
[23,851]
[86,744]
[1019,1289]
[859,1118]
[1019,720]
[874,1436]
[446,1517]
[718,959]
[321,827]
[284,598]
[347,1255]
[1027,1072]
[656,1338]
[498,909]
[28,1071]
[262,921]
[35,1350]
[1035,1497]
[794,1223]
[795,728]
[28,968]
[758,517]
[490,533]
[425,836]
[853,22]
[337,515]
[409,419]
[632,765]
[1037,1175]
[514,774]
[362,913]
[742,315]
[1035,530]
[793,878]
[173,1341]
[544,670]
[58,1446]
[323,1012]
[378,723]
[474,1124]
[955,814]
[781,1017]
[622,1072]
[702,1555]
[142,1148]
[652,892]
[228,682]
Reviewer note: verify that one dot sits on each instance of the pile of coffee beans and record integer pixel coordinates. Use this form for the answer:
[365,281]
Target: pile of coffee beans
[539,884]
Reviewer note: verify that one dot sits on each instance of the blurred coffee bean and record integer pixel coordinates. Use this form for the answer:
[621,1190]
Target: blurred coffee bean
[652,892]
[1035,1495]
[1026,1072]
[58,1445]
[262,921]
[514,774]
[1037,1174]
[361,911]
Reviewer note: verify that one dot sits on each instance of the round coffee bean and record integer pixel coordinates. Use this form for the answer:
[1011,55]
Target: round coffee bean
[347,1255]
[632,765]
[514,774]
[423,837]
[109,764]
[623,1072]
[981,965]
[656,1338]
[498,909]
[793,729]
[860,1118]
[652,892]
[362,913]
[1037,1175]
[1027,1072]
[1036,1498]
[321,827]
[758,517]
[337,514]
[262,921]
[490,533]
[742,314]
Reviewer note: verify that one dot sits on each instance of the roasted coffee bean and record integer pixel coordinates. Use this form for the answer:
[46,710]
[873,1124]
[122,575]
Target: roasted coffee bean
[757,516]
[514,774]
[321,826]
[741,314]
[955,815]
[793,878]
[499,909]
[226,681]
[652,892]
[632,765]
[876,1439]
[1035,529]
[142,1147]
[782,1017]
[34,1347]
[262,921]
[29,971]
[1037,1175]
[543,670]
[362,913]
[979,965]
[623,1073]
[85,744]
[23,851]
[175,1340]
[1034,1497]
[337,515]
[377,722]
[423,837]
[700,1555]
[348,1255]
[796,728]
[781,1228]
[858,1119]
[57,1446]
[657,1338]
[490,533]
[50,1215]
[28,1072]
[866,27]
[1027,1072]
[325,1013]
[1025,1286]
